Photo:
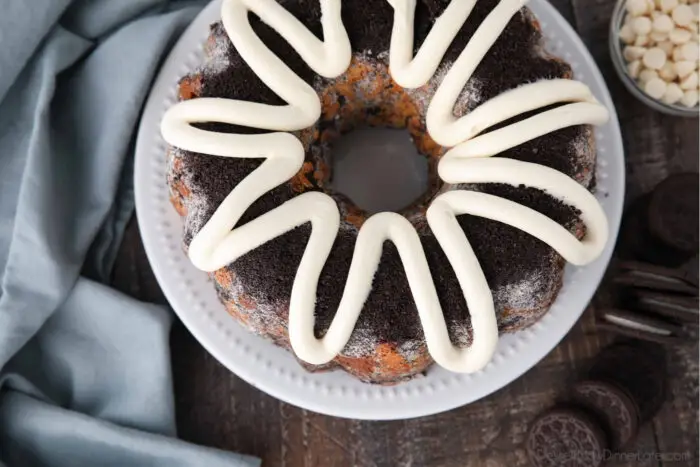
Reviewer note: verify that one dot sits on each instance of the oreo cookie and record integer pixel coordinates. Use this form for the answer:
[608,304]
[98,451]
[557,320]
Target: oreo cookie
[566,436]
[636,242]
[673,212]
[640,275]
[640,325]
[684,309]
[617,412]
[639,369]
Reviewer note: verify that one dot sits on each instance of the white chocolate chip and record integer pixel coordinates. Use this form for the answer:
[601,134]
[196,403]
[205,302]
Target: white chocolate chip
[642,25]
[691,51]
[637,7]
[679,36]
[666,46]
[641,41]
[660,49]
[663,23]
[668,5]
[695,8]
[656,88]
[677,54]
[633,68]
[657,37]
[647,75]
[690,82]
[668,72]
[673,94]
[690,98]
[654,58]
[632,53]
[684,68]
[682,15]
[627,34]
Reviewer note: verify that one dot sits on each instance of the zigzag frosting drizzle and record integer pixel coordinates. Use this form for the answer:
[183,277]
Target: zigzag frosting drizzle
[218,243]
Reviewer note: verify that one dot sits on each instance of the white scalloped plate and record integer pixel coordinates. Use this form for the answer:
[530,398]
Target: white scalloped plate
[273,369]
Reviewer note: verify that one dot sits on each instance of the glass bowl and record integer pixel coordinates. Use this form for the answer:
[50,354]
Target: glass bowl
[620,64]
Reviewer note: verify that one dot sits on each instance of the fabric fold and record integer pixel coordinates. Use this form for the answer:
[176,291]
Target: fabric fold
[85,376]
[46,435]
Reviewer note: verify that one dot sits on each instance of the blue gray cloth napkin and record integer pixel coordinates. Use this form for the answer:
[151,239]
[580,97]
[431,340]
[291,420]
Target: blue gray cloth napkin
[85,374]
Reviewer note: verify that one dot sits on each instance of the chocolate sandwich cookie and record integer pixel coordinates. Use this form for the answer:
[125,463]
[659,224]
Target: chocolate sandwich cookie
[616,410]
[690,271]
[684,309]
[638,368]
[566,437]
[636,242]
[649,276]
[673,212]
[640,325]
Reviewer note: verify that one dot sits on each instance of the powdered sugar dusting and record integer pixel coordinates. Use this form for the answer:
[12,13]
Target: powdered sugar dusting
[216,52]
[195,220]
[583,148]
[199,207]
[412,349]
[363,342]
[467,100]
[266,316]
[522,295]
[580,145]
[461,334]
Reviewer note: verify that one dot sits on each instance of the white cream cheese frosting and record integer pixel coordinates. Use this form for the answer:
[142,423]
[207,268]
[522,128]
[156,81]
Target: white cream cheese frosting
[220,242]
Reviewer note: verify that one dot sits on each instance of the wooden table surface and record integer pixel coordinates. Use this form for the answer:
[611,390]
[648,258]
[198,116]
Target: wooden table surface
[216,408]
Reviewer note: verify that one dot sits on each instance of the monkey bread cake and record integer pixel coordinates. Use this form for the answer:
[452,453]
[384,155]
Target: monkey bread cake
[507,135]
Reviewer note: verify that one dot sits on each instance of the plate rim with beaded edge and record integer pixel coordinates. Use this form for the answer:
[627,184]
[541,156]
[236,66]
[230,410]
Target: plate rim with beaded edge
[275,370]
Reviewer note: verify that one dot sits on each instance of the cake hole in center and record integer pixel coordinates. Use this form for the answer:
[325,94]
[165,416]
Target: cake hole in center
[379,169]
